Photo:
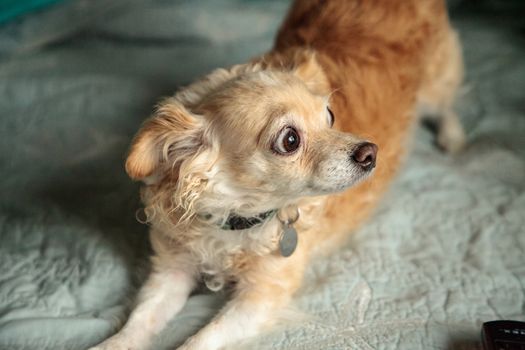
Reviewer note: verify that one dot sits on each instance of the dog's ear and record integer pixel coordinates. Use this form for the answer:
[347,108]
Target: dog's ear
[164,141]
[312,74]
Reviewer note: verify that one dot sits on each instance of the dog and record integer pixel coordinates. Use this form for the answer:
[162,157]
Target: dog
[254,170]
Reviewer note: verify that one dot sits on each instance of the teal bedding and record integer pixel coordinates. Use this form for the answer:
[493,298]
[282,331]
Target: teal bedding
[10,9]
[443,253]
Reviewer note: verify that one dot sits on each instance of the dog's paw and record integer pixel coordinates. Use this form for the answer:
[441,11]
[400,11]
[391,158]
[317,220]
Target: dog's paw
[105,346]
[112,346]
[451,137]
[188,345]
[115,343]
[195,343]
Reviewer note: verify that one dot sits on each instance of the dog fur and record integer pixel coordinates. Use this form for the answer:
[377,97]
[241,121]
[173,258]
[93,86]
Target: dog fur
[209,151]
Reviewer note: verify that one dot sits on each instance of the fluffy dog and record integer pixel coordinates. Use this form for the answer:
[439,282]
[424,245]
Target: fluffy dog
[253,170]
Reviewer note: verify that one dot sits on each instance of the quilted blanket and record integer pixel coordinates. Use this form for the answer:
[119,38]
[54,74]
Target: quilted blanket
[443,253]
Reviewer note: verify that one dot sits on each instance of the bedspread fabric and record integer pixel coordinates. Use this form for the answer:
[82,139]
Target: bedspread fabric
[443,253]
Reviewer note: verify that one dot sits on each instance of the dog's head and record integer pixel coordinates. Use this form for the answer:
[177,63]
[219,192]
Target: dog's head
[247,140]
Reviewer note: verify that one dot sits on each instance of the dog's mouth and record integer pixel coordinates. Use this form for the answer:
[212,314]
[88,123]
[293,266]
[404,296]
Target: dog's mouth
[355,177]
[338,175]
[358,176]
[364,173]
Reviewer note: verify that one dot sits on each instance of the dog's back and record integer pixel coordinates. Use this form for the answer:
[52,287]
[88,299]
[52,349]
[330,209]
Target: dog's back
[375,55]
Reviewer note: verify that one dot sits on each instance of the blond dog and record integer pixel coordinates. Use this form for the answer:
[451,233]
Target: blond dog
[253,170]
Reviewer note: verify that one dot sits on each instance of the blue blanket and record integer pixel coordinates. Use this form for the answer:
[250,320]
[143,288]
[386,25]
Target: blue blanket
[444,252]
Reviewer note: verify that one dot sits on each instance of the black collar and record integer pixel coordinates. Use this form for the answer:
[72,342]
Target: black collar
[235,222]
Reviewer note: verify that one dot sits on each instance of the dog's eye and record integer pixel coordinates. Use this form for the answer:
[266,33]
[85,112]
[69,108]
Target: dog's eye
[331,118]
[288,141]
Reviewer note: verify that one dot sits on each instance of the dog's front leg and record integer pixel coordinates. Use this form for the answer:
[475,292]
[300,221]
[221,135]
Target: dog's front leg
[163,296]
[259,296]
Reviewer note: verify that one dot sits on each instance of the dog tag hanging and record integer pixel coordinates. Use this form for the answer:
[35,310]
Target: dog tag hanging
[289,239]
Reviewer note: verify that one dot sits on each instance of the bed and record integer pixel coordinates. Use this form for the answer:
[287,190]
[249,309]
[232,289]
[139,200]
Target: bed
[443,253]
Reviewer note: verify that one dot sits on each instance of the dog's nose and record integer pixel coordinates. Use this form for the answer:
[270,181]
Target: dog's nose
[364,155]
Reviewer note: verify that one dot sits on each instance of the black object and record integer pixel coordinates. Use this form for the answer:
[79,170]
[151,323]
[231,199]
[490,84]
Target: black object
[503,335]
[235,222]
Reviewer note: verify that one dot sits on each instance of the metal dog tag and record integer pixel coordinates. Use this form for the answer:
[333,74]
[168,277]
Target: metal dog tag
[288,240]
